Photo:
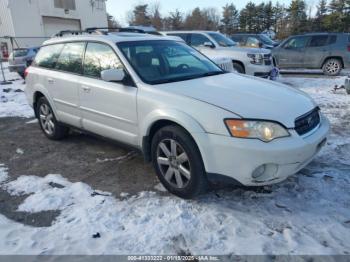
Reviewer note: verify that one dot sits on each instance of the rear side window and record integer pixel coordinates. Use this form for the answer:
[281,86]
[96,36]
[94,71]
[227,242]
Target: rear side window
[71,58]
[47,56]
[20,52]
[99,57]
[318,40]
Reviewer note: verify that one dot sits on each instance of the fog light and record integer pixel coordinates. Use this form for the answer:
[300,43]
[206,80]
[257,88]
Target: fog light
[259,171]
[265,172]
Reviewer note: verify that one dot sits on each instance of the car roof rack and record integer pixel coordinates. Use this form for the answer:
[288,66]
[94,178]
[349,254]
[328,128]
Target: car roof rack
[101,31]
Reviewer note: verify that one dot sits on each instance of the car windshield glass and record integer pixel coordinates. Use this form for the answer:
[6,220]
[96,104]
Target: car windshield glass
[222,40]
[158,62]
[266,40]
[20,52]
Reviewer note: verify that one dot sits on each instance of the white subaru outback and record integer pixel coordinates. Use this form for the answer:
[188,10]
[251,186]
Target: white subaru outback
[193,120]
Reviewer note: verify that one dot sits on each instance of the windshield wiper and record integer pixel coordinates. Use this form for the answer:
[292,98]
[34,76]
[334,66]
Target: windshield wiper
[214,73]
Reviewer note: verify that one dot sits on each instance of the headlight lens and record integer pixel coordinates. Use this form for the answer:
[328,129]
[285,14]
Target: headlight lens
[256,59]
[263,130]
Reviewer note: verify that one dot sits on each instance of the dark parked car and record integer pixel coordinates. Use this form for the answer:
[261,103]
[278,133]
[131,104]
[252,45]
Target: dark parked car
[254,40]
[21,58]
[327,51]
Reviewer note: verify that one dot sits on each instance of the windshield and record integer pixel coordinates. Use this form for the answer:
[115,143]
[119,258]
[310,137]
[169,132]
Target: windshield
[158,61]
[20,52]
[266,40]
[222,40]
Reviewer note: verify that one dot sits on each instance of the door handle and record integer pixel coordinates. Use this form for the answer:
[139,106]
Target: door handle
[86,89]
[50,80]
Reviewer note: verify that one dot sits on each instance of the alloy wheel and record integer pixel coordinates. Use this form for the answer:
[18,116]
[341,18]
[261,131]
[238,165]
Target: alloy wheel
[173,163]
[332,67]
[46,119]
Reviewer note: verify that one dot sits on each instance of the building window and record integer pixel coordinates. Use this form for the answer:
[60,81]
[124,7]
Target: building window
[100,4]
[65,4]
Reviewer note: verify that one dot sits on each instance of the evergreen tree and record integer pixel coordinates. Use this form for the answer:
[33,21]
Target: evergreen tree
[230,16]
[318,22]
[297,18]
[140,16]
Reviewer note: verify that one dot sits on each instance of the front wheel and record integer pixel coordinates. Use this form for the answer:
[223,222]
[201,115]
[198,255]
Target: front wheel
[47,121]
[332,67]
[178,163]
[238,67]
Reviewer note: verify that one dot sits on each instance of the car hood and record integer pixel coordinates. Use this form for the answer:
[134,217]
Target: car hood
[247,96]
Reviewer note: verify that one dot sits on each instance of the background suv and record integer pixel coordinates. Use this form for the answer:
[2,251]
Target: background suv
[254,40]
[250,61]
[327,51]
[21,58]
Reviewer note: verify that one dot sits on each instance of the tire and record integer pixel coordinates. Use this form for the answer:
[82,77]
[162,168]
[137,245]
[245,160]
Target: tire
[181,173]
[47,121]
[332,67]
[238,67]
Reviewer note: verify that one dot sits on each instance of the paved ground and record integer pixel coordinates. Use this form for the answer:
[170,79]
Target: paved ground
[101,164]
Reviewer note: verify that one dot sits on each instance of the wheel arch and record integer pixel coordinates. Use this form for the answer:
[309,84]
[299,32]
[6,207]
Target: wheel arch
[240,63]
[158,120]
[41,92]
[332,57]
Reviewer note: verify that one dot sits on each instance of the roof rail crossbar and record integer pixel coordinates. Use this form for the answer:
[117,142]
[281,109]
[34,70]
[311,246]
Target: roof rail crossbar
[68,32]
[114,29]
[99,30]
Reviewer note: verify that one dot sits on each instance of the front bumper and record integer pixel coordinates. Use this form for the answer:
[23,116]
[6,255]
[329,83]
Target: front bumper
[239,158]
[258,70]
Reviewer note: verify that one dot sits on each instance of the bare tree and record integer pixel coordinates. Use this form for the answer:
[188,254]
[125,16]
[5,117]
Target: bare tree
[156,19]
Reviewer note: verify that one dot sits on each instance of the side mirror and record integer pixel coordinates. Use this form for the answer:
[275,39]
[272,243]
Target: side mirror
[209,44]
[113,75]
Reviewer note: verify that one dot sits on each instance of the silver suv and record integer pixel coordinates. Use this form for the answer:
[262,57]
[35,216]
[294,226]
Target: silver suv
[327,51]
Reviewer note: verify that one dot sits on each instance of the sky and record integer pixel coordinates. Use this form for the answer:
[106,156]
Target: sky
[120,8]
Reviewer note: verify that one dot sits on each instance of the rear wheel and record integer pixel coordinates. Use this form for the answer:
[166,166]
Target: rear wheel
[178,162]
[47,121]
[332,67]
[238,67]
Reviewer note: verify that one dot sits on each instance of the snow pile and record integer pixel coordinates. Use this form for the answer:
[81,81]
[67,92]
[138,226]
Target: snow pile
[12,98]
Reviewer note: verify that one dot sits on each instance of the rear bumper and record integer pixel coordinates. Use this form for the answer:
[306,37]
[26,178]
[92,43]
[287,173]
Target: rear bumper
[239,159]
[17,68]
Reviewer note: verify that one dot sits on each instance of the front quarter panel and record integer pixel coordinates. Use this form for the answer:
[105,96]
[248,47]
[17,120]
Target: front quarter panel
[195,116]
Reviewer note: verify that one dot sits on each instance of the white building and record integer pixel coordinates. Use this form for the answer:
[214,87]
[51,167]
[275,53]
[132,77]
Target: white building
[30,22]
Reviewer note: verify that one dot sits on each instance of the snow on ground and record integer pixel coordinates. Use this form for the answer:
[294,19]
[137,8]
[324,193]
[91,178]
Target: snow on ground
[12,99]
[307,214]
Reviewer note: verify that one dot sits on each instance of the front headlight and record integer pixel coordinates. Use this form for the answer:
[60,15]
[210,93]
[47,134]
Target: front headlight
[263,130]
[256,59]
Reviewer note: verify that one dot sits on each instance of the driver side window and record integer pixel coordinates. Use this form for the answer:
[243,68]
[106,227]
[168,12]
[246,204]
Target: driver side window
[296,43]
[199,40]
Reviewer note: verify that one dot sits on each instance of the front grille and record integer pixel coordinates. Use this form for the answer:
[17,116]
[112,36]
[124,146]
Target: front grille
[267,59]
[307,122]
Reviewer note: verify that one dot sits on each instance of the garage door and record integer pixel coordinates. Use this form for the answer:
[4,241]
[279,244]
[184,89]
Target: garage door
[52,25]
